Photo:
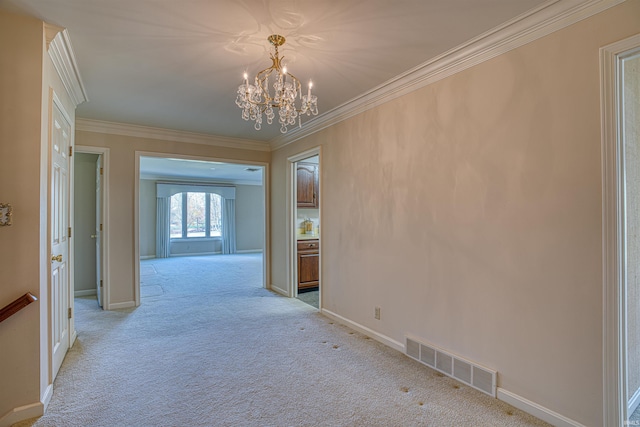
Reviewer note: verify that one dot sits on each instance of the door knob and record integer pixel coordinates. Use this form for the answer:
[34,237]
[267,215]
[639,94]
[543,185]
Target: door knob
[57,258]
[93,236]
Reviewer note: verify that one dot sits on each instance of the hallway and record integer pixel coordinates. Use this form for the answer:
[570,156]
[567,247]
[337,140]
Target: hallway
[210,347]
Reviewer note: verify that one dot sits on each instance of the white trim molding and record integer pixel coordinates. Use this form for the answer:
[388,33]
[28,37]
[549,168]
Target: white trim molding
[613,230]
[389,342]
[551,16]
[536,410]
[121,305]
[22,413]
[148,132]
[64,60]
[279,290]
[634,402]
[25,412]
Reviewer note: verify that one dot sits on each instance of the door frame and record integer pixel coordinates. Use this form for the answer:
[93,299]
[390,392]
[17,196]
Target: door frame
[106,287]
[291,219]
[266,261]
[615,398]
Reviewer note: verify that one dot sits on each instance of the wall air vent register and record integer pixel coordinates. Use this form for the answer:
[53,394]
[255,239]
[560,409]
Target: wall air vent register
[467,372]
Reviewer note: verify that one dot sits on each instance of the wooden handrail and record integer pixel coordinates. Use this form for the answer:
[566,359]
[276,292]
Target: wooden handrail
[14,307]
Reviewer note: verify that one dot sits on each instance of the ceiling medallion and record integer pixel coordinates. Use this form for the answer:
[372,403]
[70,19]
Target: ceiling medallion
[256,99]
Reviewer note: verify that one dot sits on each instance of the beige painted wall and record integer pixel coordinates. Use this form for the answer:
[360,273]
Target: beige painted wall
[27,76]
[470,212]
[121,191]
[147,218]
[20,105]
[632,170]
[249,218]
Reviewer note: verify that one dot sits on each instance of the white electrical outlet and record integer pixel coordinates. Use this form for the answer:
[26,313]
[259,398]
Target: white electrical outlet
[377,313]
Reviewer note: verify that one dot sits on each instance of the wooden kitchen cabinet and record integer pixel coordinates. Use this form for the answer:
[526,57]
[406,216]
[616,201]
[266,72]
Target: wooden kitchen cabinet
[308,263]
[307,185]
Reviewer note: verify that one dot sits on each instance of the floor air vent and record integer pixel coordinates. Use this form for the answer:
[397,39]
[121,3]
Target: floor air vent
[470,373]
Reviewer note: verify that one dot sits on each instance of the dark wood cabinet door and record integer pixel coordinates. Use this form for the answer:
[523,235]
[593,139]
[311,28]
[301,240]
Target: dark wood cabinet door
[308,270]
[307,185]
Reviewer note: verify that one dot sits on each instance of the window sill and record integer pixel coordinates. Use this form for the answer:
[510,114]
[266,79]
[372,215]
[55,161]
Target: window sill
[199,239]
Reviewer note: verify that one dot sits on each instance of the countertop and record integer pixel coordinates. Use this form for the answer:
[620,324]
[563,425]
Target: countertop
[307,236]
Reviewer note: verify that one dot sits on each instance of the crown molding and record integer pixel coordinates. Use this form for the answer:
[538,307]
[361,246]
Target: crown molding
[138,131]
[64,60]
[551,16]
[50,32]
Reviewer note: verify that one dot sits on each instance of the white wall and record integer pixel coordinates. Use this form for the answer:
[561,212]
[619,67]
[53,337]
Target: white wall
[147,218]
[470,211]
[250,218]
[84,223]
[196,246]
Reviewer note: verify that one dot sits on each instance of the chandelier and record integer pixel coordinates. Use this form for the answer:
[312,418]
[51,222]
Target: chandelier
[257,100]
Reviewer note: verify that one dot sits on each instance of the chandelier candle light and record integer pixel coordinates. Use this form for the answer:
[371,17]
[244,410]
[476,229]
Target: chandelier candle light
[256,100]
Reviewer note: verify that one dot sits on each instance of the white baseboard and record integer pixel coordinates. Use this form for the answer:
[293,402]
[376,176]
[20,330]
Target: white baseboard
[249,251]
[22,413]
[46,398]
[634,402]
[536,410]
[506,396]
[28,411]
[119,305]
[279,290]
[73,338]
[363,329]
[84,293]
[147,257]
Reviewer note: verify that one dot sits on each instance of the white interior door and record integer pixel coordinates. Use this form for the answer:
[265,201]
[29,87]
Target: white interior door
[99,190]
[60,141]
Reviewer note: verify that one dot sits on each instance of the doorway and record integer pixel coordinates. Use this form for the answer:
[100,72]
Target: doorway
[188,206]
[91,207]
[84,213]
[305,224]
[620,89]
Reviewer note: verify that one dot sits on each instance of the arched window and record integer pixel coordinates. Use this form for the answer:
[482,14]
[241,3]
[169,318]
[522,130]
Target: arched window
[195,215]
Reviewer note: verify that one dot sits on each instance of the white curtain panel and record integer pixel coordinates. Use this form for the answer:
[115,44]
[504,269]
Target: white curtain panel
[163,241]
[229,226]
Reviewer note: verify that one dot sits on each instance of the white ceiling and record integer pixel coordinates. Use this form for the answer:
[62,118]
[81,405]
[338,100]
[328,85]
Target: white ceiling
[158,168]
[177,64]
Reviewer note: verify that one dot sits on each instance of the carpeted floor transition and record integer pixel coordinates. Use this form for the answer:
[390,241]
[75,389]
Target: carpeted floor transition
[310,297]
[209,347]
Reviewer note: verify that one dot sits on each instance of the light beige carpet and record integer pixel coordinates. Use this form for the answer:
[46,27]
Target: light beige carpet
[210,347]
